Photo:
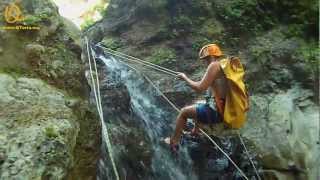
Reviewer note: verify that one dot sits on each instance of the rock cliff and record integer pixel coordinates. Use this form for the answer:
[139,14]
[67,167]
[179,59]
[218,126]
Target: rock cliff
[48,128]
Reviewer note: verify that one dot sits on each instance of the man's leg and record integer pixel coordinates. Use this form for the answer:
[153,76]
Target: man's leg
[195,130]
[185,113]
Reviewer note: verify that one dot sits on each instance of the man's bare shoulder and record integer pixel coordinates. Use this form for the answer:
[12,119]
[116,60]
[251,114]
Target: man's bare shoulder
[214,66]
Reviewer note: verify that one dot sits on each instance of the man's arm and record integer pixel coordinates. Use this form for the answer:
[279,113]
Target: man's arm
[207,79]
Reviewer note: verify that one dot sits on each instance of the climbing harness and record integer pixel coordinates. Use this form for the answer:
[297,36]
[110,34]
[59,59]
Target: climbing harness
[99,106]
[124,57]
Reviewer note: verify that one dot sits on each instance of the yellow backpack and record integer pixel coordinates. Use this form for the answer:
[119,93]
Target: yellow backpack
[237,99]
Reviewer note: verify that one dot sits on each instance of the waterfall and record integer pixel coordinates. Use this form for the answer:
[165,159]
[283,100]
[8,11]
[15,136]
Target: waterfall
[156,118]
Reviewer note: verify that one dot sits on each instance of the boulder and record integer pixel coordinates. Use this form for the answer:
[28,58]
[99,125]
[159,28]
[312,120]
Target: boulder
[38,130]
[285,133]
[34,50]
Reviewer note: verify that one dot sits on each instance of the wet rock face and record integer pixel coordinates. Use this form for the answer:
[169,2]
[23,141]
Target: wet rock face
[132,147]
[38,130]
[210,163]
[285,129]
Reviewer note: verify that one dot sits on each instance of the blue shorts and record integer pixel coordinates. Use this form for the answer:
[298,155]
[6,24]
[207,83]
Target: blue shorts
[206,115]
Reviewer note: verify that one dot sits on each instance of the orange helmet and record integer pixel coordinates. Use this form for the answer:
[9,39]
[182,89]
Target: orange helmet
[210,50]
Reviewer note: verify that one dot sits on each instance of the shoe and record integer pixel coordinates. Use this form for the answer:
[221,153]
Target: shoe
[173,147]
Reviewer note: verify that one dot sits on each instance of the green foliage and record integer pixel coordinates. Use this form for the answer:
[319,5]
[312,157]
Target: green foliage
[112,43]
[199,42]
[162,55]
[297,11]
[59,64]
[187,16]
[38,17]
[295,30]
[31,20]
[271,47]
[88,17]
[245,15]
[88,22]
[202,8]
[309,54]
[182,21]
[14,71]
[277,46]
[281,59]
[150,8]
[60,52]
[51,132]
[261,54]
[100,8]
[165,33]
[35,19]
[252,16]
[212,28]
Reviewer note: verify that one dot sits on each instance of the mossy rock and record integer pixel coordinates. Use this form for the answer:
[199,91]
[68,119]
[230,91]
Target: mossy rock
[112,43]
[162,55]
[277,61]
[199,41]
[308,53]
[212,28]
[51,132]
[35,19]
[272,47]
[14,71]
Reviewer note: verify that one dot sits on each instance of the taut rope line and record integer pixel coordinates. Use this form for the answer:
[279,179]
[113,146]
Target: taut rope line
[99,108]
[145,63]
[247,152]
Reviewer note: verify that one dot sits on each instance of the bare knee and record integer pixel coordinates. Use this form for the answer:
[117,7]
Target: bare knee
[187,112]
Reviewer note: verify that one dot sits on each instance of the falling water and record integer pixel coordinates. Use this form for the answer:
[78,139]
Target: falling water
[156,119]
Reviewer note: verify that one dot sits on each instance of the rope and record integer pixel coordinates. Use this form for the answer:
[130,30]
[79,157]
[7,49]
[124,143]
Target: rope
[145,63]
[247,152]
[178,110]
[97,80]
[235,165]
[99,107]
[154,86]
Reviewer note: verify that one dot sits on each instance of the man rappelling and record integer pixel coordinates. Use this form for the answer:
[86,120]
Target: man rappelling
[224,79]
